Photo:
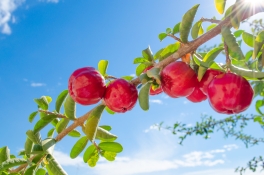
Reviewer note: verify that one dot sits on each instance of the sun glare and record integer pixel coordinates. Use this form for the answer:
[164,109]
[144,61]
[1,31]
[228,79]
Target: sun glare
[254,2]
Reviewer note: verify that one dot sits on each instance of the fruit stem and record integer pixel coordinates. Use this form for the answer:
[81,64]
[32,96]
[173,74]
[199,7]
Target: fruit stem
[110,77]
[228,61]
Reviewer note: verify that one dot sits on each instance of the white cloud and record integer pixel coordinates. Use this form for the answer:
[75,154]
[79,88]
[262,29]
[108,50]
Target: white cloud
[37,84]
[65,160]
[152,127]
[50,1]
[230,147]
[156,101]
[220,172]
[7,7]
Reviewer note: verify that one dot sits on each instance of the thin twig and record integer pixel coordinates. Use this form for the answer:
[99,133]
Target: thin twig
[110,77]
[52,113]
[174,37]
[210,20]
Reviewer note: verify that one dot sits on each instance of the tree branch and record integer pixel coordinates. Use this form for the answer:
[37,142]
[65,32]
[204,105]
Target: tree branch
[52,113]
[174,37]
[210,20]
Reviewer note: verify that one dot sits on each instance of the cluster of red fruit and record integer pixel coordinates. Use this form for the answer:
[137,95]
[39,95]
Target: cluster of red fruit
[228,93]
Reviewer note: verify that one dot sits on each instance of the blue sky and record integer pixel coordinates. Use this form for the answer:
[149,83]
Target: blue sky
[43,42]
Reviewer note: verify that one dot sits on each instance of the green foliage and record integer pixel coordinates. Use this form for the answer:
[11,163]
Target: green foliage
[176,28]
[9,163]
[70,108]
[220,5]
[162,36]
[79,147]
[105,135]
[43,122]
[143,96]
[54,167]
[60,100]
[42,102]
[102,66]
[63,123]
[74,133]
[248,39]
[4,154]
[197,29]
[111,146]
[32,116]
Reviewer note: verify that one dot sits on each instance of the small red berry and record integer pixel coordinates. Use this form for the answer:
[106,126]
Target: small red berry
[152,91]
[86,86]
[197,95]
[120,96]
[178,79]
[207,78]
[230,93]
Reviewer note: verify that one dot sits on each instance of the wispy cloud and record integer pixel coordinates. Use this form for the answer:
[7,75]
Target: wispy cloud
[156,101]
[37,84]
[220,172]
[7,7]
[50,1]
[230,147]
[65,160]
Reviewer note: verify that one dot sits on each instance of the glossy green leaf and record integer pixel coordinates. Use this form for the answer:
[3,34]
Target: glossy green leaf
[111,146]
[88,153]
[51,132]
[48,145]
[12,163]
[28,146]
[110,156]
[140,68]
[230,40]
[106,127]
[229,10]
[247,73]
[195,29]
[93,159]
[176,28]
[54,167]
[157,54]
[143,96]
[168,30]
[155,74]
[259,119]
[79,147]
[259,103]
[147,54]
[248,39]
[30,170]
[74,133]
[55,121]
[60,100]
[186,23]
[32,116]
[238,33]
[41,171]
[220,5]
[140,60]
[235,21]
[109,111]
[210,27]
[34,136]
[169,50]
[44,121]
[102,67]
[37,158]
[92,122]
[259,43]
[20,153]
[63,123]
[162,36]
[42,102]
[105,135]
[70,108]
[144,78]
[4,154]
[128,77]
[248,55]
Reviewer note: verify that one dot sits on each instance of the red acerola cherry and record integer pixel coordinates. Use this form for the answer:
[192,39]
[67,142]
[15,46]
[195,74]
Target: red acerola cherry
[207,78]
[197,95]
[86,86]
[120,96]
[230,93]
[178,79]
[152,91]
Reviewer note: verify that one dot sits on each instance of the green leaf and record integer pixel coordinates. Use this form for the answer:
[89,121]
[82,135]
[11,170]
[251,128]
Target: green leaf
[110,156]
[12,163]
[60,100]
[248,39]
[169,50]
[93,159]
[143,96]
[230,40]
[79,147]
[30,170]
[109,110]
[229,10]
[144,78]
[28,147]
[48,145]
[54,167]
[238,33]
[155,74]
[210,27]
[32,116]
[157,54]
[74,133]
[102,66]
[41,171]
[34,136]
[162,36]
[195,29]
[186,23]
[259,43]
[176,28]
[51,132]
[4,154]
[147,54]
[140,68]
[92,122]
[168,30]
[259,103]
[128,77]
[89,153]
[37,158]
[104,135]
[44,122]
[111,146]
[49,99]
[42,102]
[247,73]
[70,108]
[106,127]
[208,60]
[248,55]
[220,5]
[62,125]
[259,119]
[37,149]
[140,60]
